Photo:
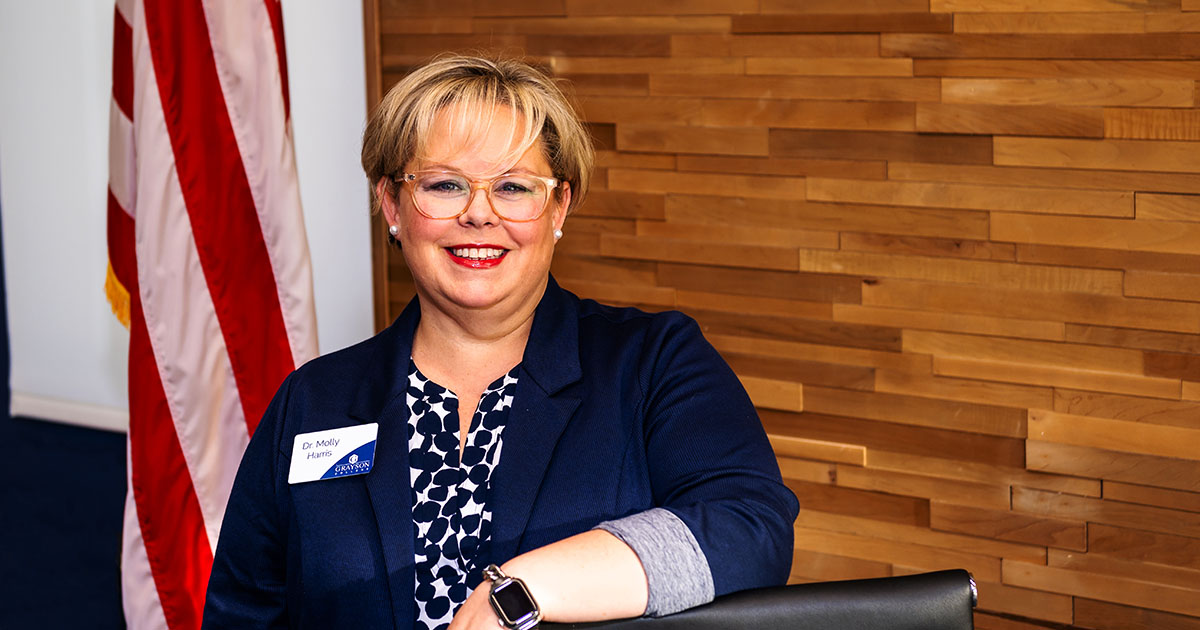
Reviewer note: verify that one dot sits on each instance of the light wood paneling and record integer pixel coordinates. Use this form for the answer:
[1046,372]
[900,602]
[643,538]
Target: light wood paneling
[1047,23]
[950,247]
[974,197]
[1114,435]
[1078,92]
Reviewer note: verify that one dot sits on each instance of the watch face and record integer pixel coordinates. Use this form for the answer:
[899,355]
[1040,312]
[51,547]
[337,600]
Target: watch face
[513,602]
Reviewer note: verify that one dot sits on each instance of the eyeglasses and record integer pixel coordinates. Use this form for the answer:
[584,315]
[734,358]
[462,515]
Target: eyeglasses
[516,197]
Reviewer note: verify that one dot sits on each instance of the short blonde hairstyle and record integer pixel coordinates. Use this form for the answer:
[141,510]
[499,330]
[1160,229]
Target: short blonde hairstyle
[400,127]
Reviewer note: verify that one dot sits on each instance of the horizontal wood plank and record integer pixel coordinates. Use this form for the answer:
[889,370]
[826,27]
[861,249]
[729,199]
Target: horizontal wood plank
[1075,308]
[927,246]
[984,348]
[753,186]
[678,139]
[879,550]
[727,45]
[712,209]
[1091,613]
[973,197]
[866,526]
[1076,378]
[1114,435]
[1130,408]
[789,446]
[966,390]
[1122,155]
[830,66]
[1149,495]
[680,251]
[1039,46]
[1097,586]
[1014,120]
[1040,502]
[916,22]
[1152,124]
[1070,92]
[921,486]
[856,169]
[961,416]
[905,147]
[1026,603]
[774,394]
[1175,237]
[1047,22]
[948,322]
[822,567]
[1162,207]
[1078,6]
[1141,545]
[889,436]
[1046,177]
[1160,472]
[940,466]
[1005,525]
[997,274]
[1168,286]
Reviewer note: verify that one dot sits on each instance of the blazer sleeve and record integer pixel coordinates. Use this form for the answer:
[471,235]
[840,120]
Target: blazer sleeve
[248,584]
[710,462]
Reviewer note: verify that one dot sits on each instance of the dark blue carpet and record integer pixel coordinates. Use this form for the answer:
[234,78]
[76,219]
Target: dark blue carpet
[62,493]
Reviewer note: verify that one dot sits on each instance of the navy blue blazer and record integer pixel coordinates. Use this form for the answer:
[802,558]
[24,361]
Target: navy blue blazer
[616,411]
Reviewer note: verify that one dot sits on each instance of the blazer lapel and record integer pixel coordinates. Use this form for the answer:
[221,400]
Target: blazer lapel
[538,417]
[380,398]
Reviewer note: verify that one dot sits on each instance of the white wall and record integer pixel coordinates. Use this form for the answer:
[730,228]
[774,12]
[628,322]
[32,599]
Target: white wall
[68,351]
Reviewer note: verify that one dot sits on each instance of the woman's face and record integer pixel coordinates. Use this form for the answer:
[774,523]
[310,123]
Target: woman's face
[448,276]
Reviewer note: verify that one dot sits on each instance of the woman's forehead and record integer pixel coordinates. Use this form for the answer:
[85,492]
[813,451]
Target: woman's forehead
[481,139]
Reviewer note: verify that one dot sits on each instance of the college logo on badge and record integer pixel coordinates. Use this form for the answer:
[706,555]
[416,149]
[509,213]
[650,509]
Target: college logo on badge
[333,453]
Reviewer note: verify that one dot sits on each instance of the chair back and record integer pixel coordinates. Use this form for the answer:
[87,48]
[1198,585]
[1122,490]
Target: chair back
[942,600]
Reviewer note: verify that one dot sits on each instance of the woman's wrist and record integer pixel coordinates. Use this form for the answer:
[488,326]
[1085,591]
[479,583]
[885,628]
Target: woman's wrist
[591,576]
[541,590]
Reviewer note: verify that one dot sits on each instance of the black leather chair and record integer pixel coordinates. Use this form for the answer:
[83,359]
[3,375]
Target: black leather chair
[942,600]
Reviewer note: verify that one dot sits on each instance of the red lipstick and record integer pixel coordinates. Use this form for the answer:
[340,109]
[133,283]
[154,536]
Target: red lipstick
[477,256]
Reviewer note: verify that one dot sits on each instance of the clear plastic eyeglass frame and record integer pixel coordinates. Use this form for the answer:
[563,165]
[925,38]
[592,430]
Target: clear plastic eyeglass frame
[477,184]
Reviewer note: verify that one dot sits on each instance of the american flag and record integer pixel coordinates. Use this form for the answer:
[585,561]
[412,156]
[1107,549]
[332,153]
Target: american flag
[209,269]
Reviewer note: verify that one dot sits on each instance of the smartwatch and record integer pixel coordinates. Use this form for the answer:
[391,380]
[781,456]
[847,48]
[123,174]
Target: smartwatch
[511,600]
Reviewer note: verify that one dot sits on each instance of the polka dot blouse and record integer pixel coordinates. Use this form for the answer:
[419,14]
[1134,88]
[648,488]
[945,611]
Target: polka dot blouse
[450,495]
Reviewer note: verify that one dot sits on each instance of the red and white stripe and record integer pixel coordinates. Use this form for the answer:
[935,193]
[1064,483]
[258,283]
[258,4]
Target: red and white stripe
[207,236]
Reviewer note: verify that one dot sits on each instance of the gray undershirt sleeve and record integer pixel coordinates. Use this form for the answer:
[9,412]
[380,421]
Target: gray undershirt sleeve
[677,572]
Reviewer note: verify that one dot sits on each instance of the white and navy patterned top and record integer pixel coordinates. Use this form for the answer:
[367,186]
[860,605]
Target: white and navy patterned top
[450,496]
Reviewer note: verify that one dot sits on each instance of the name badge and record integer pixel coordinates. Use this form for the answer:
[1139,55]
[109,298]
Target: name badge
[333,453]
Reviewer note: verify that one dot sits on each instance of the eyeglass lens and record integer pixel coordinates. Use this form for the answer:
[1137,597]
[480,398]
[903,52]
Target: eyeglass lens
[446,195]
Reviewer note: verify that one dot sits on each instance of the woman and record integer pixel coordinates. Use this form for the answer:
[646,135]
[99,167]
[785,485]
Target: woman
[611,465]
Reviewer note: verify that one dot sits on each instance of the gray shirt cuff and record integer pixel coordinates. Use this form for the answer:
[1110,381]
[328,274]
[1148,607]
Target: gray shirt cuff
[677,573]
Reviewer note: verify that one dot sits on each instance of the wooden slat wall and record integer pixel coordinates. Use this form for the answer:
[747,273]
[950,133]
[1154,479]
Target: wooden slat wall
[952,247]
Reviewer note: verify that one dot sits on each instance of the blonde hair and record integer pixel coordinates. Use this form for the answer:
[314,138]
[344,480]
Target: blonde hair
[400,127]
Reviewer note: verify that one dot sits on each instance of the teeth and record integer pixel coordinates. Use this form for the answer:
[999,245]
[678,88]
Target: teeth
[477,253]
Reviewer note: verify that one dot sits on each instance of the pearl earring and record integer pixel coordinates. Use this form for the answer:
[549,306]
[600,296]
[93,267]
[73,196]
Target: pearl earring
[557,234]
[393,229]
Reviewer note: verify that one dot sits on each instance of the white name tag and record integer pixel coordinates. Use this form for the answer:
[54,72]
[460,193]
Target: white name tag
[333,453]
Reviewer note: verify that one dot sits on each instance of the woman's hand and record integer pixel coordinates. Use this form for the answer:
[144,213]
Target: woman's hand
[476,613]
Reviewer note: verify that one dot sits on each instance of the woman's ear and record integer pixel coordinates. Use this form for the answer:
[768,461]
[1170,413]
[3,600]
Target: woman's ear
[387,201]
[561,208]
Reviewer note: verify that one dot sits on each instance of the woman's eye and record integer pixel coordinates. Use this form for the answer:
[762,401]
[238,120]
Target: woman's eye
[444,186]
[512,187]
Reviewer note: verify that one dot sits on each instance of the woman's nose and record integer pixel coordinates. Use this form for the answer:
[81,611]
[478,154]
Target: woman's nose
[479,209]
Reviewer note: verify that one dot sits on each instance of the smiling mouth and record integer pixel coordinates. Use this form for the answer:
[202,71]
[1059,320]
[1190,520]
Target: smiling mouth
[477,253]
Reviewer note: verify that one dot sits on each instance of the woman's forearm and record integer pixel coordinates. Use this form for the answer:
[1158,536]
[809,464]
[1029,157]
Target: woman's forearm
[588,577]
